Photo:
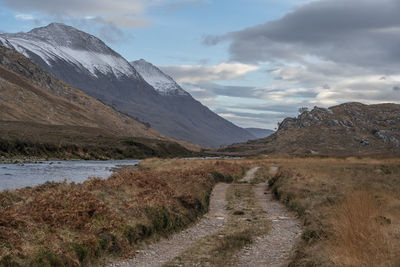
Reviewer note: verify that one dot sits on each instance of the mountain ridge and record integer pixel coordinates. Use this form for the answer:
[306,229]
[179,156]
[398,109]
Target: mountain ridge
[36,106]
[163,83]
[178,116]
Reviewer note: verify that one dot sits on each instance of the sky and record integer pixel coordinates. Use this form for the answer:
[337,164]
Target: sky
[254,62]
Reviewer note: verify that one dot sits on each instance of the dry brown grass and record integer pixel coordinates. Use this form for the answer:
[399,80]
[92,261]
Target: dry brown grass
[350,208]
[58,224]
[360,236]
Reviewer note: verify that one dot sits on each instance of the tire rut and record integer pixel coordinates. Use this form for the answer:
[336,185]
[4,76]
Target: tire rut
[165,250]
[275,248]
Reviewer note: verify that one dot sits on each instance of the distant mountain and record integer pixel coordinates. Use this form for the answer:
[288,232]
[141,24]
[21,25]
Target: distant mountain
[348,129]
[259,132]
[200,122]
[37,107]
[86,63]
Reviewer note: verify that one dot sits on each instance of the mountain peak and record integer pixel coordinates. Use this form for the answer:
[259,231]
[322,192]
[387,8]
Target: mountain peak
[64,35]
[58,42]
[163,83]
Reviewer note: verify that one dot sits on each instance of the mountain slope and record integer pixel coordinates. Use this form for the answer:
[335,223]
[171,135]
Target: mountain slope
[30,94]
[37,108]
[260,133]
[163,83]
[343,130]
[88,64]
[208,126]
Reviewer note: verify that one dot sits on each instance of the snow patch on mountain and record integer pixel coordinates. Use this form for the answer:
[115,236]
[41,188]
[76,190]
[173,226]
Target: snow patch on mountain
[163,83]
[51,43]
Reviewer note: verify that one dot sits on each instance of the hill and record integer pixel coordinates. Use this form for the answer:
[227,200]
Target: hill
[38,108]
[343,130]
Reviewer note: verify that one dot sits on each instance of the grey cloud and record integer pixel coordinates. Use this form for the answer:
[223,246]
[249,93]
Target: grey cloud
[77,7]
[396,88]
[246,119]
[108,31]
[245,113]
[214,39]
[201,73]
[129,14]
[225,90]
[286,110]
[360,32]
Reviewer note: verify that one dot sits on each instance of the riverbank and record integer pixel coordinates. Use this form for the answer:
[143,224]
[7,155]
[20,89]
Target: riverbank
[13,176]
[71,224]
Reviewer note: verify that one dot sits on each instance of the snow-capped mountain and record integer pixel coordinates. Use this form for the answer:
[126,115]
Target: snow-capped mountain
[163,83]
[61,42]
[87,63]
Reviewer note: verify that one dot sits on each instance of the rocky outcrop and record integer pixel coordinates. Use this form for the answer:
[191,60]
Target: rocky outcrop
[346,129]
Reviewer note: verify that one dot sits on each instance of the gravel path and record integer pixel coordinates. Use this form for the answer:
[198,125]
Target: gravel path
[164,251]
[275,248]
[249,175]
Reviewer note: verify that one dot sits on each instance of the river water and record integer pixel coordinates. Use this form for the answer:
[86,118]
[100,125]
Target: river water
[14,176]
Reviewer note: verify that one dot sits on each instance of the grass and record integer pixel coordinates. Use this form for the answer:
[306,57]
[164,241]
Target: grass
[350,209]
[360,234]
[58,224]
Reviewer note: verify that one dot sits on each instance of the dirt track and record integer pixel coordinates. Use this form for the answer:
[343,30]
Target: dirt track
[273,249]
[167,249]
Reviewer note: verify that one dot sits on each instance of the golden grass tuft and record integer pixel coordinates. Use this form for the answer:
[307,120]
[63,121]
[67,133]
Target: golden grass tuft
[360,236]
[350,209]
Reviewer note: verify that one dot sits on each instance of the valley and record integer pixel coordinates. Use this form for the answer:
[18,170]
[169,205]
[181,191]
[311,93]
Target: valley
[110,162]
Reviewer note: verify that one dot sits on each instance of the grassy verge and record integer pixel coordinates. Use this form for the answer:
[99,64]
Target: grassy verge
[58,224]
[350,208]
[246,221]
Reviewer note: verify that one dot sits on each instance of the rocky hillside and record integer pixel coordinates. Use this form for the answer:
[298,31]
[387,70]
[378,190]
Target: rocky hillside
[88,64]
[346,129]
[32,99]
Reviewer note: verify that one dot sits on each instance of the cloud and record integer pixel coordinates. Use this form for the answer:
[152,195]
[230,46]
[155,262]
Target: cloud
[122,13]
[127,14]
[199,73]
[24,17]
[106,30]
[262,119]
[364,33]
[366,89]
[213,89]
[323,53]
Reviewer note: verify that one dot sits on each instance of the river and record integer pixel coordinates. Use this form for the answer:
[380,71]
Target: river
[13,176]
